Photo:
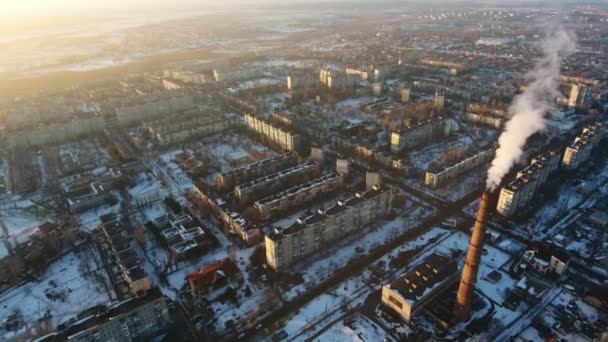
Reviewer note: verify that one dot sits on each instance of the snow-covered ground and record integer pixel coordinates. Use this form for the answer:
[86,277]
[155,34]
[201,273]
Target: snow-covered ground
[71,284]
[351,248]
[21,218]
[361,329]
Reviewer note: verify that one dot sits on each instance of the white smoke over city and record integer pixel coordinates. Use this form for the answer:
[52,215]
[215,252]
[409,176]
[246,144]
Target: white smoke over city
[529,108]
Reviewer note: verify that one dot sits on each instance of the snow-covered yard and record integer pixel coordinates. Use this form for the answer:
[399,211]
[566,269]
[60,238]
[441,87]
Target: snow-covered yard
[74,282]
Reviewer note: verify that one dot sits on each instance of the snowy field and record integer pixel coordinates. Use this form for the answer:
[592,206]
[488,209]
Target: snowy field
[351,293]
[71,284]
[21,218]
[349,249]
[361,329]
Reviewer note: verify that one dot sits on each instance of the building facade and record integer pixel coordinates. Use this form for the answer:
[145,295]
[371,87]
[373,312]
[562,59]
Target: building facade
[518,193]
[278,137]
[410,292]
[227,181]
[436,178]
[276,182]
[580,150]
[421,133]
[285,246]
[297,196]
[140,318]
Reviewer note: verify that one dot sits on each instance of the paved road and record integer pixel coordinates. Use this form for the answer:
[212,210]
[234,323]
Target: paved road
[519,324]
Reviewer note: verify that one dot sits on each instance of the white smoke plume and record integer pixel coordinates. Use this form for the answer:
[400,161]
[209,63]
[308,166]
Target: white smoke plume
[529,108]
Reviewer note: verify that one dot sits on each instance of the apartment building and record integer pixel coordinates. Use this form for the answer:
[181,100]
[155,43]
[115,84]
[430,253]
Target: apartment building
[285,246]
[135,319]
[229,75]
[149,107]
[188,77]
[280,138]
[124,265]
[228,180]
[176,133]
[518,193]
[83,192]
[439,101]
[54,133]
[183,235]
[297,196]
[580,96]
[580,150]
[207,199]
[486,120]
[421,133]
[436,178]
[412,291]
[483,114]
[357,72]
[262,187]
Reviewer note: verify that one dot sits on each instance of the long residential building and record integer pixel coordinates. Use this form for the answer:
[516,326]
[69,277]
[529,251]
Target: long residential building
[298,195]
[194,128]
[140,318]
[273,183]
[125,266]
[283,139]
[59,132]
[518,193]
[189,77]
[421,133]
[285,246]
[580,150]
[435,178]
[206,199]
[227,181]
[153,106]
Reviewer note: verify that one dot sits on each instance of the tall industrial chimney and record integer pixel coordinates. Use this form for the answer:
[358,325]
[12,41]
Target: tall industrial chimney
[462,308]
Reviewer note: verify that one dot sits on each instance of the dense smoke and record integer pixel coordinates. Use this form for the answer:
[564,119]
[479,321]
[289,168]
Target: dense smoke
[529,108]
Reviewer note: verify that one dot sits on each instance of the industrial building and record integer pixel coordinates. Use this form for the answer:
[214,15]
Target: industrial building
[518,193]
[262,187]
[228,180]
[296,196]
[580,150]
[283,139]
[409,293]
[421,133]
[436,178]
[308,235]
